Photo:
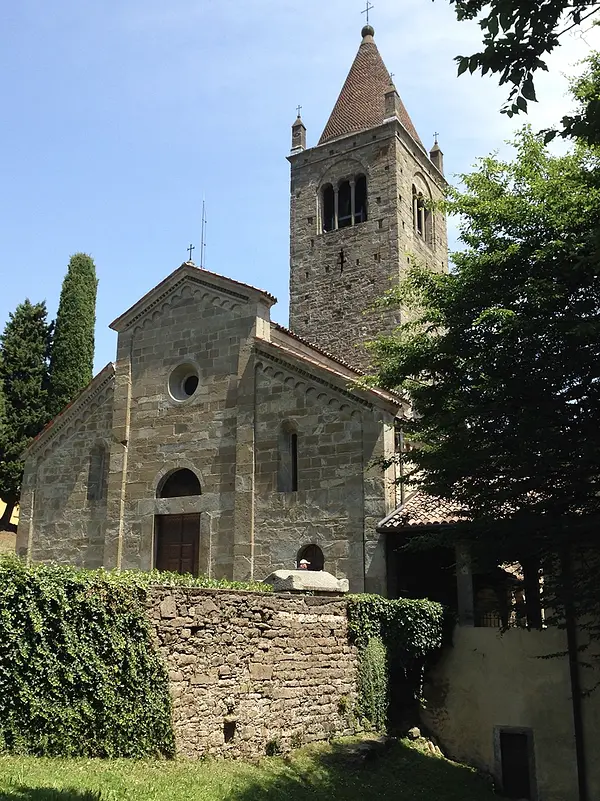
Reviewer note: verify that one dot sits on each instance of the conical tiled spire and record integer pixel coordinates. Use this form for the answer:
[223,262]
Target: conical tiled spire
[361,103]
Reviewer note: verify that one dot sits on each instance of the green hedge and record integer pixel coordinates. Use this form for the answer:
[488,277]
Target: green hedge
[392,636]
[79,674]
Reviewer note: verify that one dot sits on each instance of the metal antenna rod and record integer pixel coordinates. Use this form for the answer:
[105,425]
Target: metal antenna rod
[203,237]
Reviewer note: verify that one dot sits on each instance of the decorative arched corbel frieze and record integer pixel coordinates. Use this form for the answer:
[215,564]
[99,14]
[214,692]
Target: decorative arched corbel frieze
[314,387]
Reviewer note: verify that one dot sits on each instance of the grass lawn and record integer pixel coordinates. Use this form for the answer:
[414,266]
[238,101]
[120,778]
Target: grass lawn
[319,773]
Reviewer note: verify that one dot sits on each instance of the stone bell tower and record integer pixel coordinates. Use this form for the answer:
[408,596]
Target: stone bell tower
[361,208]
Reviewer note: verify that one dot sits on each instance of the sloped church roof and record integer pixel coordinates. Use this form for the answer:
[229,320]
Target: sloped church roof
[361,103]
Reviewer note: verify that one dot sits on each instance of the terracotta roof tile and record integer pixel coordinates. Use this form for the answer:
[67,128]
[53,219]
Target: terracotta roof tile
[361,103]
[420,509]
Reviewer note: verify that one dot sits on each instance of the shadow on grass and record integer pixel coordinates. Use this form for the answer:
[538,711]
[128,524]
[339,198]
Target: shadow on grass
[398,773]
[47,794]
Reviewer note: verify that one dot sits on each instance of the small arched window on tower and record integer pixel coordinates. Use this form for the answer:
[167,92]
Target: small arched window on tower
[421,215]
[287,458]
[345,204]
[360,200]
[328,207]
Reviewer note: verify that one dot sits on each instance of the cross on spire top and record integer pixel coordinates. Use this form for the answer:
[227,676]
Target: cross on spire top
[298,109]
[369,7]
[435,135]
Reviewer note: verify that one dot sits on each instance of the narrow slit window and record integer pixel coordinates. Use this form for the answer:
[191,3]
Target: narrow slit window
[287,466]
[97,473]
[294,460]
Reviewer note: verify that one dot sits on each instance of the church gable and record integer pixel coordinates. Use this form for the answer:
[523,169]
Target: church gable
[203,286]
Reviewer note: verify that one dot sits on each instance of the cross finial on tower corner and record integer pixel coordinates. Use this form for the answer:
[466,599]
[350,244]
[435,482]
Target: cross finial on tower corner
[298,109]
[435,136]
[369,7]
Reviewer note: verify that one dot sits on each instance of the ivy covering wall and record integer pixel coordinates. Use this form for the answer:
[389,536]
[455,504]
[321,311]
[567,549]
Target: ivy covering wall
[79,673]
[394,637]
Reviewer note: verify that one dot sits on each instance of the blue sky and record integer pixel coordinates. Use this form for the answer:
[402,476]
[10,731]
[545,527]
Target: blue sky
[118,116]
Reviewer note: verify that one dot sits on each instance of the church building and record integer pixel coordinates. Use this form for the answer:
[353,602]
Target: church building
[222,443]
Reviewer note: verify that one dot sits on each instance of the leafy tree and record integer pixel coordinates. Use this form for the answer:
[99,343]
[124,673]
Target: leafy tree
[24,347]
[501,358]
[517,35]
[72,355]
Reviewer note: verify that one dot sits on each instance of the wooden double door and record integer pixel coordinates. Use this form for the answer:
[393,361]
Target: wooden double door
[177,542]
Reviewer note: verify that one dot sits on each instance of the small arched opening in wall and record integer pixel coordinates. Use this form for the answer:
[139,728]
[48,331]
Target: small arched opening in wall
[342,197]
[312,555]
[178,484]
[422,210]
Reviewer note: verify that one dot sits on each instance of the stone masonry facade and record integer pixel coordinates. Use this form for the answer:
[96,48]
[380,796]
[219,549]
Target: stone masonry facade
[253,378]
[249,669]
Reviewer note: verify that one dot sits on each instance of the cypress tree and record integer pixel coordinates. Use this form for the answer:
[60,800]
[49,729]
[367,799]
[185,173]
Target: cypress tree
[24,347]
[72,354]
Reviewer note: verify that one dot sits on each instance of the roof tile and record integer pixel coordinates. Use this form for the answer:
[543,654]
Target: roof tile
[420,509]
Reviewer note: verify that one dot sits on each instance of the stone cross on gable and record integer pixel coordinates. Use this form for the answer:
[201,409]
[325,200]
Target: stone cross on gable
[191,247]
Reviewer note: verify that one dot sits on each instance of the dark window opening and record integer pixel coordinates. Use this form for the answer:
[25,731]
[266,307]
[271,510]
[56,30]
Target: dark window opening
[328,208]
[228,730]
[360,200]
[287,467]
[508,595]
[516,764]
[180,484]
[97,473]
[177,543]
[313,555]
[344,205]
[190,385]
[421,574]
[421,215]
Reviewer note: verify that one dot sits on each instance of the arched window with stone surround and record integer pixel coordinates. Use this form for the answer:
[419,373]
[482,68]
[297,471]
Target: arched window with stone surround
[178,484]
[313,555]
[97,483]
[287,457]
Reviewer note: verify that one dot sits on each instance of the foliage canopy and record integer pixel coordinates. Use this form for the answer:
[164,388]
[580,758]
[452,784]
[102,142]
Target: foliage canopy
[501,359]
[517,35]
[24,347]
[72,354]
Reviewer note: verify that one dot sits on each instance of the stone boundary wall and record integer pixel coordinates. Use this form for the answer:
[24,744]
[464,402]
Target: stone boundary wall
[250,671]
